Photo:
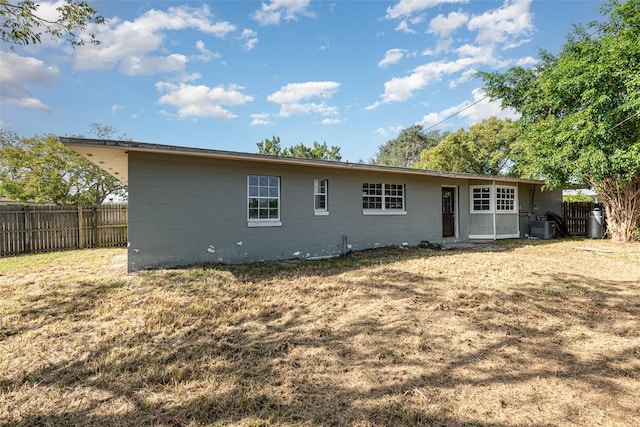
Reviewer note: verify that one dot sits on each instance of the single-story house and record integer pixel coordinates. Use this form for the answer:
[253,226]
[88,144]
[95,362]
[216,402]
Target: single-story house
[190,205]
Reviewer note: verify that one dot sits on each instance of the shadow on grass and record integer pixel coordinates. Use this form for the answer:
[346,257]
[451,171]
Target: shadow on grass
[254,366]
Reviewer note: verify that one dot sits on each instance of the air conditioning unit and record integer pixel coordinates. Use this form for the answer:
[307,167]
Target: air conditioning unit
[543,229]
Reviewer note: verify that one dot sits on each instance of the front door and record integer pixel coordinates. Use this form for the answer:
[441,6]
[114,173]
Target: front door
[448,212]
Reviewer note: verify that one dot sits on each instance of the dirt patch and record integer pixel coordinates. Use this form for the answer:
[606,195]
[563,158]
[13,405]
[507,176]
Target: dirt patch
[536,333]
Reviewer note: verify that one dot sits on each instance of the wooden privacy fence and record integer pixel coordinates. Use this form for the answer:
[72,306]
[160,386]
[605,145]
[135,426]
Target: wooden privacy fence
[28,229]
[576,215]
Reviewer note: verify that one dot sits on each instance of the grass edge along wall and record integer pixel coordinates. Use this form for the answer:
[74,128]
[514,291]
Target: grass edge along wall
[191,206]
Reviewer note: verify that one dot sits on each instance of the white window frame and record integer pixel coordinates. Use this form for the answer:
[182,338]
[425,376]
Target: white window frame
[317,192]
[494,211]
[494,199]
[384,210]
[473,199]
[499,200]
[263,222]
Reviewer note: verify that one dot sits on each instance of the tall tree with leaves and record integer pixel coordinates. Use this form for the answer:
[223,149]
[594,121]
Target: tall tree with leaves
[486,148]
[581,113]
[22,23]
[405,150]
[42,170]
[317,151]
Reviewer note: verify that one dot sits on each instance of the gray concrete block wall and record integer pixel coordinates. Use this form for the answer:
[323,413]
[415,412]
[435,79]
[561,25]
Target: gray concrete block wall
[187,210]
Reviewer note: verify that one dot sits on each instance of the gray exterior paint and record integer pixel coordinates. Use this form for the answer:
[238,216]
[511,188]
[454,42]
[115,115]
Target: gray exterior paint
[187,210]
[534,202]
[190,206]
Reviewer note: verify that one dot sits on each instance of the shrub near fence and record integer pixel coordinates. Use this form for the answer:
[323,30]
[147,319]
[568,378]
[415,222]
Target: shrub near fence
[29,229]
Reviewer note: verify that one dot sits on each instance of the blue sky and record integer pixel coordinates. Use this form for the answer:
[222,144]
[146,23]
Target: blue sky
[228,74]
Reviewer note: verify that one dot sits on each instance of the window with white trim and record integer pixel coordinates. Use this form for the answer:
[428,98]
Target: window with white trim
[493,199]
[481,199]
[383,197]
[321,196]
[505,199]
[263,198]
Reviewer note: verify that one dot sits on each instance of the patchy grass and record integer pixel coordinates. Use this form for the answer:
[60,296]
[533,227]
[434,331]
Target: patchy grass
[536,333]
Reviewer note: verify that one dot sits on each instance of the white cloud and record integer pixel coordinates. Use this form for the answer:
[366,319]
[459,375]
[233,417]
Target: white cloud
[410,7]
[486,108]
[205,54]
[484,54]
[391,131]
[474,111]
[291,97]
[131,44]
[30,103]
[391,56]
[294,92]
[249,38]
[497,28]
[135,65]
[19,74]
[115,108]
[329,121]
[443,26]
[271,13]
[260,119]
[504,24]
[444,45]
[202,101]
[181,17]
[465,77]
[400,89]
[287,110]
[404,27]
[526,61]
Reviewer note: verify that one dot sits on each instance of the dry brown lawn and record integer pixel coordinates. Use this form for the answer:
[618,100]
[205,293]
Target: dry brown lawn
[536,333]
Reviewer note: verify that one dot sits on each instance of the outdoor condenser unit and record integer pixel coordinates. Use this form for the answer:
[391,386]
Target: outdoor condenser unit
[543,229]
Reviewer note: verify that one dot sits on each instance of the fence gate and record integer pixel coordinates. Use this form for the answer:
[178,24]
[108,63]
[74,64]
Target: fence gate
[576,215]
[28,229]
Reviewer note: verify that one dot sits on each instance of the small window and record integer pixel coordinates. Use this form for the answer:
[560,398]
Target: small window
[505,199]
[371,195]
[394,196]
[480,199]
[263,199]
[321,196]
[383,198]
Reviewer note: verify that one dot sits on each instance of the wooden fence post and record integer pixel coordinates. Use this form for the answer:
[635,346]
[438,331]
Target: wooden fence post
[27,229]
[80,229]
[96,231]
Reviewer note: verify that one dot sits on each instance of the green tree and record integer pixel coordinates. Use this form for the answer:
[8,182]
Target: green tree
[20,23]
[581,113]
[483,149]
[270,147]
[317,151]
[405,150]
[42,170]
[578,197]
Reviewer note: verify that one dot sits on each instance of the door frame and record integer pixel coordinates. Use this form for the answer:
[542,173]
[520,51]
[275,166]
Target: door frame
[456,206]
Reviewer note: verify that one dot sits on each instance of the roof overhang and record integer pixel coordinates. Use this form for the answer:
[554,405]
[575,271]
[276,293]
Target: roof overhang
[113,157]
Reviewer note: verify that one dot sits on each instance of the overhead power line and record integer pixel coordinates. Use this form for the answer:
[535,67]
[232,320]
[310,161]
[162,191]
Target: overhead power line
[628,118]
[455,114]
